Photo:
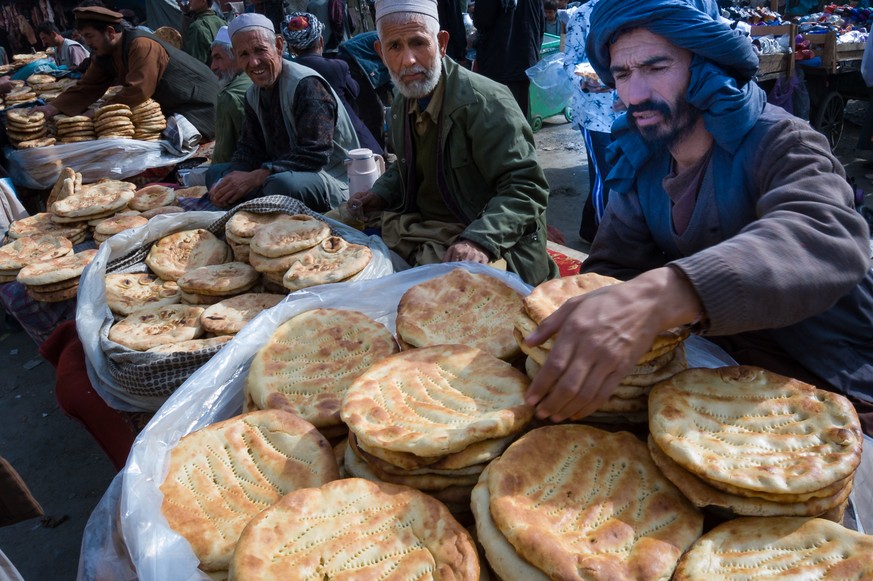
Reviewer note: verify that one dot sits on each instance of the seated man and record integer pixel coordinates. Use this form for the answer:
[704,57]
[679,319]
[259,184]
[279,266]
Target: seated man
[295,135]
[229,111]
[147,67]
[467,184]
[725,213]
[302,32]
[68,52]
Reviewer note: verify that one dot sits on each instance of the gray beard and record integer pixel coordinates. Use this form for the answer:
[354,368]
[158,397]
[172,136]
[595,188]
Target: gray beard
[224,79]
[419,89]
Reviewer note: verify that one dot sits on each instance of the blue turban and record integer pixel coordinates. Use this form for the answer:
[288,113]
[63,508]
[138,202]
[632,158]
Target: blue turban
[722,71]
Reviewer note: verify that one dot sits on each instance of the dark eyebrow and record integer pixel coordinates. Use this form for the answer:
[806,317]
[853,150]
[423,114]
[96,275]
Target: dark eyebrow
[654,60]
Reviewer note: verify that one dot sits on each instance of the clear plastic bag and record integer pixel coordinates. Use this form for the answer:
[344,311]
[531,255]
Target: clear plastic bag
[549,75]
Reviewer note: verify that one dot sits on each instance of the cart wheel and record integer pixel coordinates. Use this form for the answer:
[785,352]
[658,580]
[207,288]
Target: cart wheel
[829,118]
[536,123]
[568,114]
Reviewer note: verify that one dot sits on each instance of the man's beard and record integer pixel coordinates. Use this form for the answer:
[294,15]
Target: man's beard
[418,89]
[226,77]
[676,124]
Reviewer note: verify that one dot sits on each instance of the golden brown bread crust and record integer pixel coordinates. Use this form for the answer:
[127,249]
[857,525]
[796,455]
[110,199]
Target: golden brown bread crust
[229,316]
[331,260]
[755,430]
[288,235]
[23,251]
[175,254]
[548,296]
[462,308]
[594,507]
[157,325]
[222,475]
[435,401]
[778,547]
[56,269]
[356,529]
[219,279]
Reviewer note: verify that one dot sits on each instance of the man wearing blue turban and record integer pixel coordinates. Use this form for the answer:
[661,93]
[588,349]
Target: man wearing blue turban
[725,213]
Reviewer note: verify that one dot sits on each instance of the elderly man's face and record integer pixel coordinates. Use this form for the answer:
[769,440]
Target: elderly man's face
[222,63]
[260,58]
[651,77]
[412,57]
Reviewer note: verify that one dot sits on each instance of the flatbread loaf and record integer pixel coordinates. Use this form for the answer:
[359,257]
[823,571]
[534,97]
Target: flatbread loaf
[755,430]
[311,360]
[126,293]
[42,223]
[157,325]
[224,474]
[595,506]
[112,226]
[191,346]
[548,296]
[355,529]
[23,251]
[219,279]
[288,235]
[243,224]
[333,260]
[778,548]
[56,269]
[464,308]
[151,197]
[229,316]
[435,401]
[174,255]
[96,199]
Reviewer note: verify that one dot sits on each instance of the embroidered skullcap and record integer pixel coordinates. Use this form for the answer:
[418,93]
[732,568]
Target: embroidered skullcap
[426,7]
[222,37]
[301,29]
[690,24]
[97,14]
[249,20]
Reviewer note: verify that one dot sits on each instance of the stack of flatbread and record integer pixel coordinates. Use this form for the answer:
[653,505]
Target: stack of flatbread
[127,293]
[239,230]
[745,441]
[629,402]
[332,260]
[229,316]
[432,418]
[39,82]
[354,529]
[23,251]
[576,502]
[156,325]
[27,130]
[113,122]
[148,121]
[74,129]
[273,247]
[462,308]
[222,475]
[207,285]
[174,255]
[106,229]
[50,91]
[18,95]
[57,279]
[42,224]
[93,202]
[151,197]
[310,362]
[778,548]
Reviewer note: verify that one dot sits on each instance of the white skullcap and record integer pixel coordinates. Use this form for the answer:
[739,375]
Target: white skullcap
[249,20]
[222,37]
[426,7]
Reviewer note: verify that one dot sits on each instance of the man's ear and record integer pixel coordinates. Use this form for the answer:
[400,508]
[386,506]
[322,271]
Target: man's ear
[443,40]
[280,44]
[378,46]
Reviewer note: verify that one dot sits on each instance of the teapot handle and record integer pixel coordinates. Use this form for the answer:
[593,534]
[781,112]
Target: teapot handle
[380,163]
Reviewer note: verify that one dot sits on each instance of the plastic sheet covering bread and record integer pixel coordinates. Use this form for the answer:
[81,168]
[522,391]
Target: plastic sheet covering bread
[135,381]
[215,393]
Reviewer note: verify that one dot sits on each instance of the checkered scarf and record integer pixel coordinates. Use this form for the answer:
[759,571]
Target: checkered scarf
[301,30]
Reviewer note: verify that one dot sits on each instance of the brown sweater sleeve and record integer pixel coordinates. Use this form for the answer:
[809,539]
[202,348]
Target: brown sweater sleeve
[145,67]
[90,87]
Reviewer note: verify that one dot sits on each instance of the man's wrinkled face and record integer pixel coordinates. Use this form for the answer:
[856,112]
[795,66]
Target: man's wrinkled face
[222,64]
[651,78]
[100,43]
[260,58]
[412,56]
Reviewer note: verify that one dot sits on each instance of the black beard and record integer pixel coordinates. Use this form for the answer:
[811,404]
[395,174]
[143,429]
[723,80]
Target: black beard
[679,123]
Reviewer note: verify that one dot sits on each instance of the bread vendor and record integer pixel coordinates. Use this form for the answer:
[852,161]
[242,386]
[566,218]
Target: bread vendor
[68,52]
[467,185]
[147,67]
[725,213]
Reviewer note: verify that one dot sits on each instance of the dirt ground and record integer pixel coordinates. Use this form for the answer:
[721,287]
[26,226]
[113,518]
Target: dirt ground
[68,473]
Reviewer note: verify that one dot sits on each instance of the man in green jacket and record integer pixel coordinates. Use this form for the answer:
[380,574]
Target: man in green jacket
[466,185]
[230,107]
[201,30]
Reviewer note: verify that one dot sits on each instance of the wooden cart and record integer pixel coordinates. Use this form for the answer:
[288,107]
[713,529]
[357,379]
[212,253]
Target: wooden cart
[774,66]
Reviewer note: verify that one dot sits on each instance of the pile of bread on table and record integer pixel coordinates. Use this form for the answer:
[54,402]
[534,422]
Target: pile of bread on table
[365,454]
[201,290]
[29,129]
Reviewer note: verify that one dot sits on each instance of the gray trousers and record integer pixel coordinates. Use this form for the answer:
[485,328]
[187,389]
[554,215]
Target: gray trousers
[319,193]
